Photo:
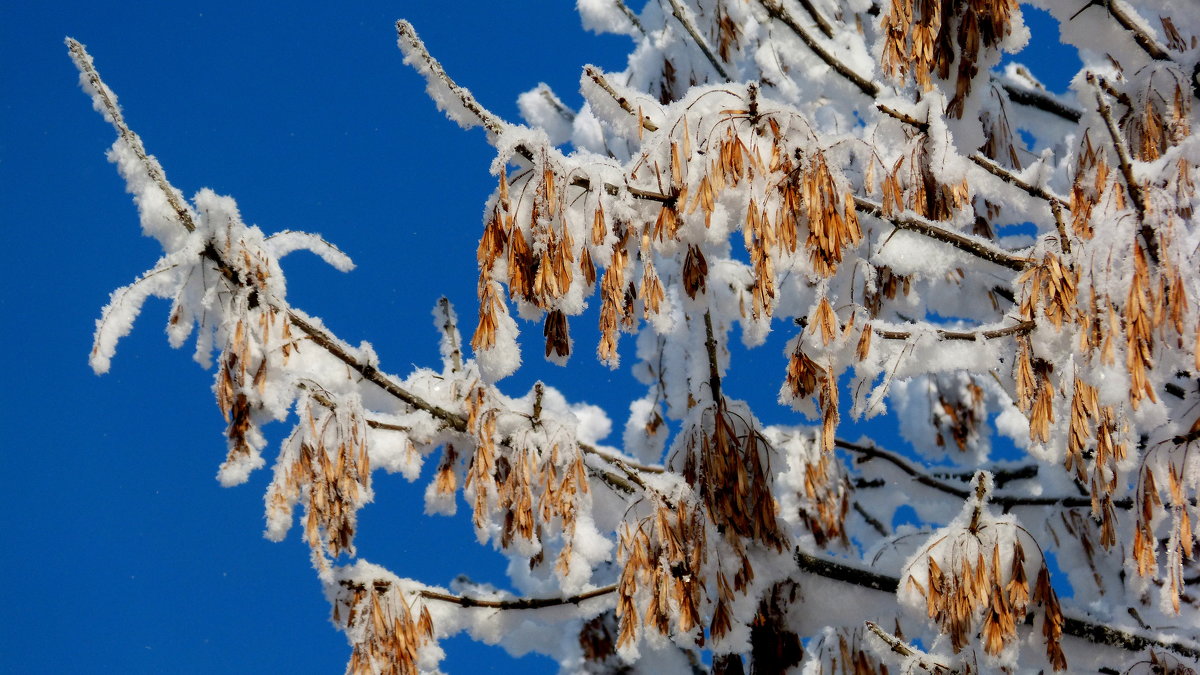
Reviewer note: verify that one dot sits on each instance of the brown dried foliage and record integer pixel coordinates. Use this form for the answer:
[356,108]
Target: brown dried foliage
[392,633]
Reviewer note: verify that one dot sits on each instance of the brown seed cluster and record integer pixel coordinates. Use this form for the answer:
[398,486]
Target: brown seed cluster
[958,410]
[662,561]
[325,466]
[971,586]
[527,486]
[727,464]
[1180,489]
[387,633]
[927,37]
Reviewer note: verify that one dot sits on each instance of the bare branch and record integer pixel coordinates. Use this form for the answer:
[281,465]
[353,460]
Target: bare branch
[902,648]
[633,19]
[1131,184]
[1141,37]
[154,170]
[496,125]
[776,10]
[975,247]
[1058,207]
[1005,501]
[1017,329]
[598,78]
[1035,99]
[679,14]
[518,603]
[817,18]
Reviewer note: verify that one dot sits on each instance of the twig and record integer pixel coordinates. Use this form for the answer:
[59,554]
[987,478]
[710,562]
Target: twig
[679,14]
[1131,185]
[817,18]
[710,344]
[598,78]
[1080,628]
[870,519]
[519,603]
[451,331]
[1005,501]
[154,170]
[1057,206]
[1036,99]
[904,649]
[962,242]
[775,10]
[630,15]
[496,125]
[1016,329]
[1141,37]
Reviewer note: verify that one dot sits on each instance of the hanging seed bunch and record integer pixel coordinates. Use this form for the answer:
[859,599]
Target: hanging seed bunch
[387,627]
[323,464]
[1166,504]
[819,488]
[938,38]
[525,482]
[661,586]
[727,460]
[972,578]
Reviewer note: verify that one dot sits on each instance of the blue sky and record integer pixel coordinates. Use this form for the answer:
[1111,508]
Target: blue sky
[124,553]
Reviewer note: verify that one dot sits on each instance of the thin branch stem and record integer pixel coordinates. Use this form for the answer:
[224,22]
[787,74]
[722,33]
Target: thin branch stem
[1035,99]
[518,603]
[633,19]
[496,125]
[1057,206]
[710,344]
[1141,37]
[154,170]
[598,78]
[817,18]
[776,10]
[681,16]
[1004,501]
[870,519]
[975,247]
[908,652]
[1131,184]
[1017,329]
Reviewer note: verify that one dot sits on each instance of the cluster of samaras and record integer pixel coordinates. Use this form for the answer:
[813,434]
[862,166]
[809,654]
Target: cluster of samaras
[528,242]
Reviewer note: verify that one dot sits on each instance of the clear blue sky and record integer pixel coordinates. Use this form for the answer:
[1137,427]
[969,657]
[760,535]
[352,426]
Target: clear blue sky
[123,553]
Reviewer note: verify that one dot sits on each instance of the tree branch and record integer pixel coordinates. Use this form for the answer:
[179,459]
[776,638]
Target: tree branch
[154,170]
[1017,329]
[1131,184]
[776,10]
[598,78]
[1034,99]
[1005,501]
[496,125]
[1057,206]
[679,14]
[962,242]
[633,19]
[1141,37]
[902,648]
[518,603]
